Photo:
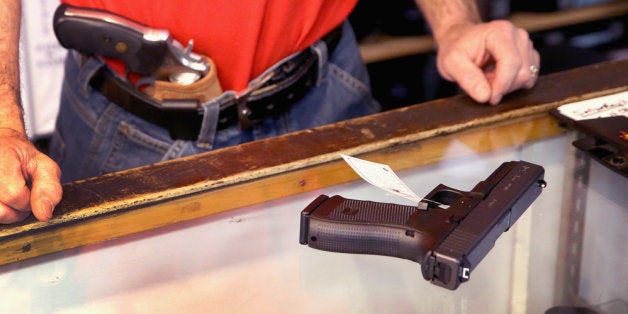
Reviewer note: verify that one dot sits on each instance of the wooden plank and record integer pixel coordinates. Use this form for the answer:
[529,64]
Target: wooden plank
[538,22]
[380,48]
[136,219]
[144,198]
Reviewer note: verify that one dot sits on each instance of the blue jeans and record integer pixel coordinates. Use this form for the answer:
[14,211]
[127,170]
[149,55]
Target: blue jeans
[94,136]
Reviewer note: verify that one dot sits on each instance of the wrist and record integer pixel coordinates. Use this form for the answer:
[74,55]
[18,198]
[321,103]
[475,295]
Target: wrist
[449,17]
[14,133]
[13,125]
[11,110]
[450,33]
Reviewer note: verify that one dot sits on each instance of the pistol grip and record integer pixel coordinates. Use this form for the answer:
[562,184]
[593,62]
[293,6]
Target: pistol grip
[343,225]
[95,32]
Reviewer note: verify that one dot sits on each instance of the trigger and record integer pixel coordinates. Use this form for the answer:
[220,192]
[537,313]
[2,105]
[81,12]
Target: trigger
[424,204]
[446,197]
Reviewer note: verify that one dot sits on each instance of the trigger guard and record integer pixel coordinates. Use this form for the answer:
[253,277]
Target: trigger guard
[445,195]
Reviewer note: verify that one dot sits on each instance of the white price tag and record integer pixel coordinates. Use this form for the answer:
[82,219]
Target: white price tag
[601,107]
[381,176]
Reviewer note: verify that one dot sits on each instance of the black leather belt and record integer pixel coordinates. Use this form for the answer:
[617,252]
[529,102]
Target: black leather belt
[273,94]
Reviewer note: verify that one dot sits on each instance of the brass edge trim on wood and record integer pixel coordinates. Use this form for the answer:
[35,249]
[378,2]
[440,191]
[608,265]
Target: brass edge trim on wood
[197,205]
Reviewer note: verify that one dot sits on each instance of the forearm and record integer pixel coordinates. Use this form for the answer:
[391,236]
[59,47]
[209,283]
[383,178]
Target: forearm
[443,15]
[10,107]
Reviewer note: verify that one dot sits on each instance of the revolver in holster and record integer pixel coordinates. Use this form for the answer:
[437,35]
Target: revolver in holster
[169,70]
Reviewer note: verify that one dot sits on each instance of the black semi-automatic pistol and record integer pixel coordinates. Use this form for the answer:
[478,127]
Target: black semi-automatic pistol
[448,233]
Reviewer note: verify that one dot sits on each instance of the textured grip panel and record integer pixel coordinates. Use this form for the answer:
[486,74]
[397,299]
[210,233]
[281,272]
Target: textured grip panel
[365,227]
[365,211]
[356,239]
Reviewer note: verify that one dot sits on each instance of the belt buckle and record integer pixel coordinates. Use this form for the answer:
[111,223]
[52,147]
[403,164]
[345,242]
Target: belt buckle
[241,97]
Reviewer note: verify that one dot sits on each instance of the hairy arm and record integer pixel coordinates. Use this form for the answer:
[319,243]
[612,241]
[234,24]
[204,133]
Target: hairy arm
[30,180]
[10,107]
[445,15]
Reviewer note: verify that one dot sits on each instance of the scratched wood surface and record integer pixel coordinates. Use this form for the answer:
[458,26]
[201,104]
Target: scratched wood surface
[118,204]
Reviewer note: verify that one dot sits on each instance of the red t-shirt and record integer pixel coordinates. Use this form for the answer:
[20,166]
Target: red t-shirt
[243,37]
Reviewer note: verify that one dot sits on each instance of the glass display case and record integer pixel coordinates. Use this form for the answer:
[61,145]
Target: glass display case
[219,232]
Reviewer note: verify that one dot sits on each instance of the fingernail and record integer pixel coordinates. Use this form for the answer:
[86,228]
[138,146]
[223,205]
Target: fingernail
[496,99]
[483,93]
[45,209]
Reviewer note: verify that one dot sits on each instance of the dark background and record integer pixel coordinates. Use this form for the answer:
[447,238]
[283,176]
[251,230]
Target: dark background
[409,80]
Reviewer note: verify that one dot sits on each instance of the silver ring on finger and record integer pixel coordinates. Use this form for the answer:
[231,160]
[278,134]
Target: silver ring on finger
[534,71]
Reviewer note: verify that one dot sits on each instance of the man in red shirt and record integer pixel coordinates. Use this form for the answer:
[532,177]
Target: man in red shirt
[246,40]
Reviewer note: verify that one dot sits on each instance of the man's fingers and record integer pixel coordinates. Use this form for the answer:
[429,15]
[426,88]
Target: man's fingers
[9,215]
[468,76]
[488,60]
[14,193]
[529,68]
[515,62]
[477,86]
[533,69]
[30,182]
[46,189]
[503,45]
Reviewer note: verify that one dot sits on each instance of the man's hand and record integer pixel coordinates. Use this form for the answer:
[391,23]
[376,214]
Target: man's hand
[488,60]
[30,181]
